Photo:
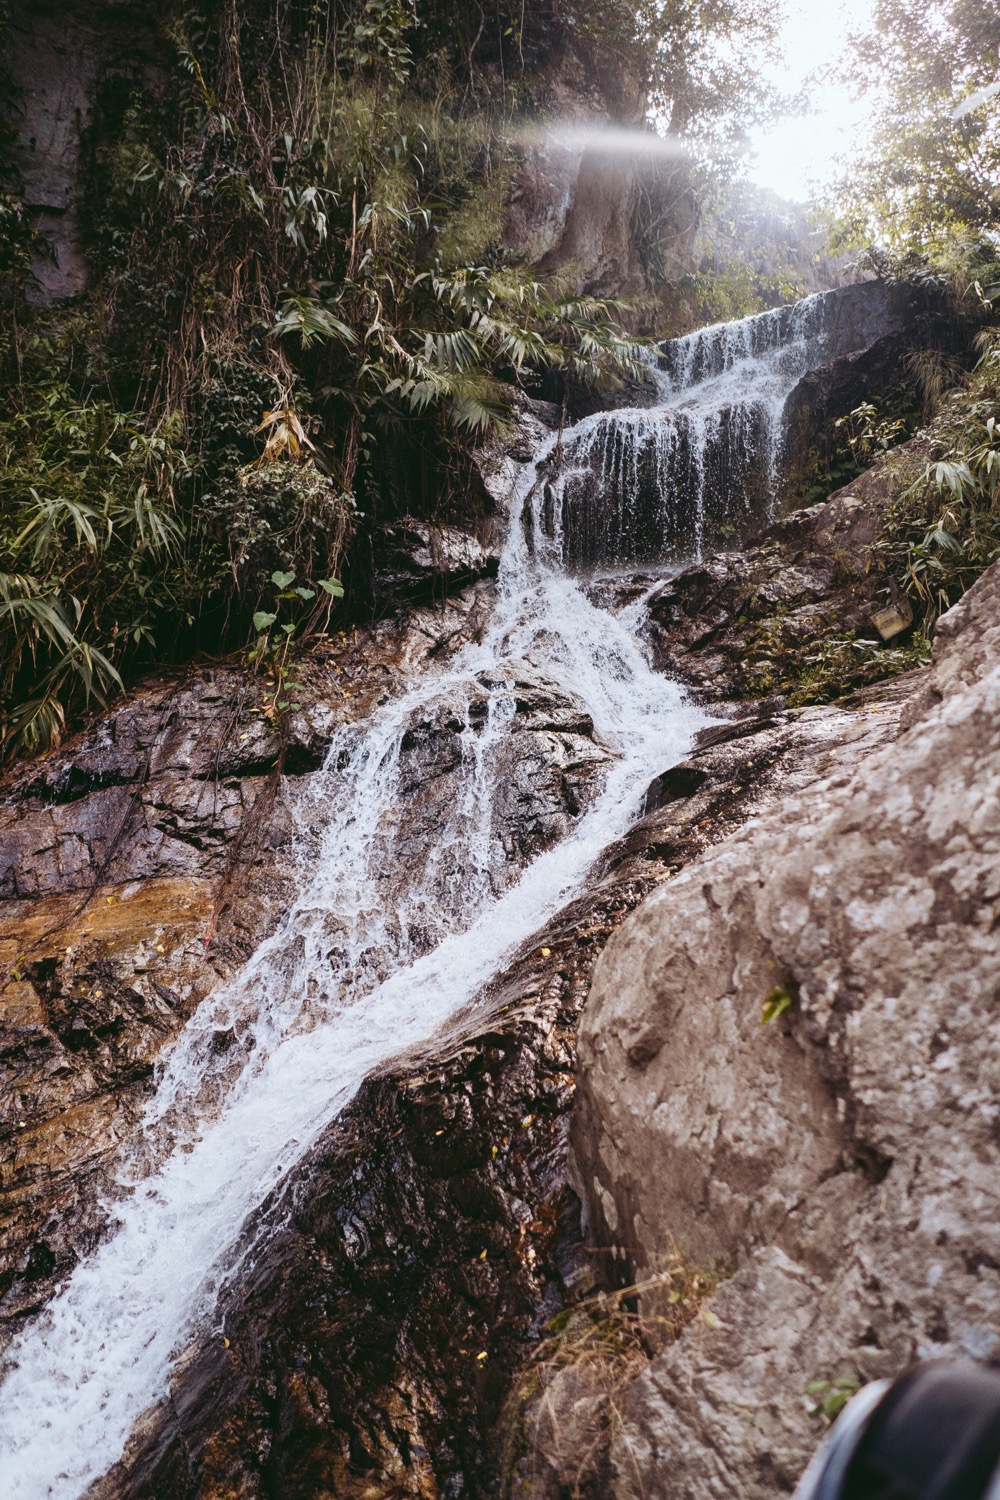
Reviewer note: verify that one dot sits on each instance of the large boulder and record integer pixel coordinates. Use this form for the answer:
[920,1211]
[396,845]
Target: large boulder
[838,1165]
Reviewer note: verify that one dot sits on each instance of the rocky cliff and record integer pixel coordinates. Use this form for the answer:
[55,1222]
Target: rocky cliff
[581,203]
[405,1312]
[837,1166]
[437,1221]
[61,59]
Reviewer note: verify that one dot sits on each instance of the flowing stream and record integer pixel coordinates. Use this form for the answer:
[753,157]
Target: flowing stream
[357,974]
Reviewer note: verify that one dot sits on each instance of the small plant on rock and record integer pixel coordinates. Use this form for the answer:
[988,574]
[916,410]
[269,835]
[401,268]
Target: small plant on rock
[776,1004]
[272,646]
[831,1396]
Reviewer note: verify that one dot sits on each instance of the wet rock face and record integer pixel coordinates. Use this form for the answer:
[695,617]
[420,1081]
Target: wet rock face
[844,1158]
[419,560]
[114,859]
[434,1223]
[145,860]
[546,772]
[138,865]
[728,625]
[157,790]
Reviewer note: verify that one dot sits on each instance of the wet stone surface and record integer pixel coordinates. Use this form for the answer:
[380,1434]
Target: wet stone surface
[738,623]
[416,1255]
[139,865]
[144,861]
[356,1329]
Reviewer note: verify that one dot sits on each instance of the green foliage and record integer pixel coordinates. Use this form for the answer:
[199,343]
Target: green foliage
[698,62]
[298,256]
[776,1002]
[925,176]
[294,613]
[344,190]
[280,515]
[938,534]
[836,665]
[856,441]
[943,531]
[737,290]
[868,434]
[831,1396]
[90,551]
[20,247]
[463,329]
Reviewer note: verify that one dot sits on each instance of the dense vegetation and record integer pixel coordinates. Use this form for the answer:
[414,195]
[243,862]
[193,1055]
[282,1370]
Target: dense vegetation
[923,184]
[300,293]
[921,200]
[304,316]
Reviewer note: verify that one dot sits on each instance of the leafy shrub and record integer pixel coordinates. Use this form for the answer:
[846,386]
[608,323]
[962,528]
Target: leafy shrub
[281,516]
[91,553]
[943,531]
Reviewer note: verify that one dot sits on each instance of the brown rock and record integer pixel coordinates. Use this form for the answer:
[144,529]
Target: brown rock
[732,626]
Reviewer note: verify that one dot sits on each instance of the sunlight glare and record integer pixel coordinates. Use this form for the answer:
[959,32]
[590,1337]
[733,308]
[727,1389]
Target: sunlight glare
[797,156]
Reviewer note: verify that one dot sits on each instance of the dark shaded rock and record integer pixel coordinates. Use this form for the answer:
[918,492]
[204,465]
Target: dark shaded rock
[824,396]
[421,560]
[434,1223]
[733,625]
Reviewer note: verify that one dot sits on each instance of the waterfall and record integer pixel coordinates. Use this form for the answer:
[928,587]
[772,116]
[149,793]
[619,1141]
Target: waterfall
[352,978]
[360,971]
[659,484]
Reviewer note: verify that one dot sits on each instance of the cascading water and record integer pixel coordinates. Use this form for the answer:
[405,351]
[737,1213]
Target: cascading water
[358,972]
[353,977]
[658,484]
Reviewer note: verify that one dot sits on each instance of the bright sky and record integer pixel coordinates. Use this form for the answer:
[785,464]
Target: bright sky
[796,155]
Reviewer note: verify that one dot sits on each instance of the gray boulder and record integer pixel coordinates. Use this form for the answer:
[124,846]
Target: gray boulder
[840,1164]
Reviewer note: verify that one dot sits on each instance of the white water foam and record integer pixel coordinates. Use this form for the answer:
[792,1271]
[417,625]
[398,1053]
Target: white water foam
[351,980]
[355,976]
[645,484]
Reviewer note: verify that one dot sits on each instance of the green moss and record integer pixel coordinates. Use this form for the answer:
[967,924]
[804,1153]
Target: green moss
[468,234]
